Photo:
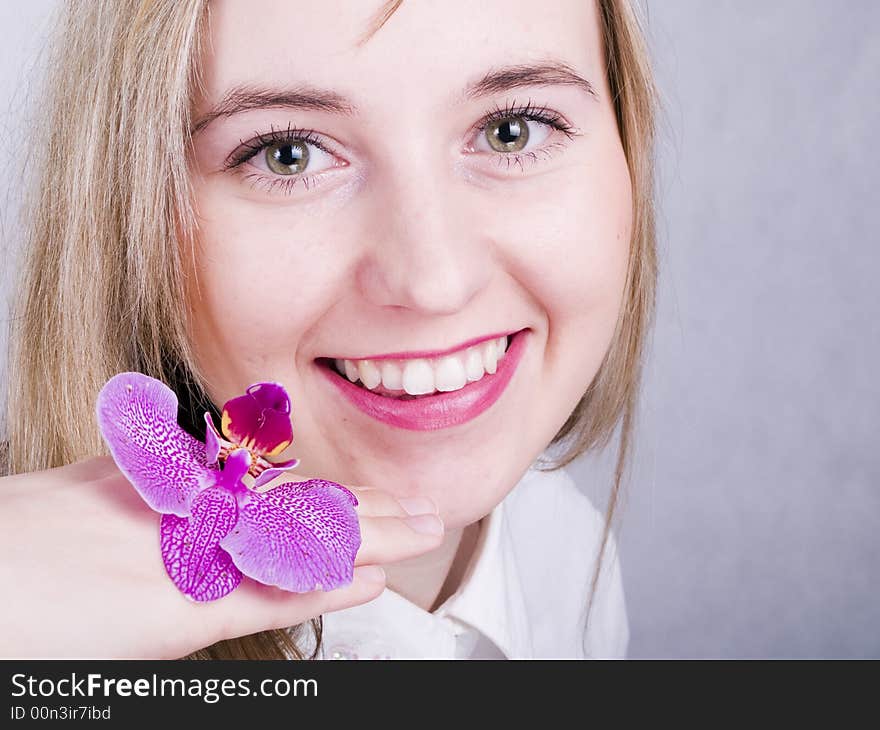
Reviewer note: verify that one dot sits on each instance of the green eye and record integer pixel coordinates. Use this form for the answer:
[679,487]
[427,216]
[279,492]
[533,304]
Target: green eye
[509,134]
[287,158]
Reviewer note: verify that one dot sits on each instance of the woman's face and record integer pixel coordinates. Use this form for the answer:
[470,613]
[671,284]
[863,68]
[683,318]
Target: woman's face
[353,202]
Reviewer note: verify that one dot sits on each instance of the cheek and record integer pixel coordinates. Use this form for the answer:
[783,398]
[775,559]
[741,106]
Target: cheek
[570,255]
[262,280]
[570,251]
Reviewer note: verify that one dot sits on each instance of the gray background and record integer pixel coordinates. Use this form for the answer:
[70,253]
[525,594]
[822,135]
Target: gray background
[751,523]
[24,27]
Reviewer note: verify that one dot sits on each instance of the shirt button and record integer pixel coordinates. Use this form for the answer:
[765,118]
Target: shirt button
[343,651]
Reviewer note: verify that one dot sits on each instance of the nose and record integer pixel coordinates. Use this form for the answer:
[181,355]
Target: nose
[426,253]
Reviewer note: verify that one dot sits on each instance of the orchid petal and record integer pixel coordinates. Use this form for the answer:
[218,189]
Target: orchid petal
[236,466]
[191,547]
[260,419]
[213,441]
[299,536]
[267,475]
[137,416]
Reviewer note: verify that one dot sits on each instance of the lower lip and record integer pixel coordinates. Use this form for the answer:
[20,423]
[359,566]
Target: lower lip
[441,410]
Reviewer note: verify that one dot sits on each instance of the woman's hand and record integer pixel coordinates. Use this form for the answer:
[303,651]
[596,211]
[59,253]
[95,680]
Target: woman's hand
[82,572]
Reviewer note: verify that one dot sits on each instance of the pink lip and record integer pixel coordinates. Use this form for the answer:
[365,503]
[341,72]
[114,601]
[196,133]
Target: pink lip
[429,353]
[441,410]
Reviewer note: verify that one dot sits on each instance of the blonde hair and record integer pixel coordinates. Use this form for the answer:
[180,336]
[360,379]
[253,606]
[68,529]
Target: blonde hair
[101,289]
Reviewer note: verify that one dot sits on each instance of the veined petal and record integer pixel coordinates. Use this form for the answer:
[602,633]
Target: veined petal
[191,548]
[260,419]
[298,536]
[137,416]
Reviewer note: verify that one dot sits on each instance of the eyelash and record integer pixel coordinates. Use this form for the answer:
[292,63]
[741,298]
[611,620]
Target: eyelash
[260,142]
[541,114]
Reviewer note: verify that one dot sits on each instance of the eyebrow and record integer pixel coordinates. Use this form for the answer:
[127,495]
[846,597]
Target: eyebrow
[246,97]
[545,73]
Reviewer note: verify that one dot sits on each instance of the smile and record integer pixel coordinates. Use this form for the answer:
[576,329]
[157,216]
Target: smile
[414,377]
[428,393]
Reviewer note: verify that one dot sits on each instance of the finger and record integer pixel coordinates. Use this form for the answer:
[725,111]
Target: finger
[389,539]
[379,503]
[256,607]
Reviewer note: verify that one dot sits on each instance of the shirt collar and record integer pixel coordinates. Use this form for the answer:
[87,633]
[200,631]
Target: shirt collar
[489,600]
[490,597]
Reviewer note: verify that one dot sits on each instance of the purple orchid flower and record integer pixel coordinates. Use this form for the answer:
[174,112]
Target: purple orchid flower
[299,536]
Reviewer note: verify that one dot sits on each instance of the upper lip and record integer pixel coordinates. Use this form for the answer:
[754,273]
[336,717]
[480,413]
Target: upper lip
[432,353]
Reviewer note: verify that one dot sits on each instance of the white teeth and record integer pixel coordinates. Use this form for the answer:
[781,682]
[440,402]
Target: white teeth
[368,373]
[449,374]
[422,376]
[473,364]
[490,356]
[392,375]
[351,370]
[418,377]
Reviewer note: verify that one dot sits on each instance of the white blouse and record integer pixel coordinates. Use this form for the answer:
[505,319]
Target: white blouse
[524,594]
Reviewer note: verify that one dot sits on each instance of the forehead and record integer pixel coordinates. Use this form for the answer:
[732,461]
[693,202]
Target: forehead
[426,50]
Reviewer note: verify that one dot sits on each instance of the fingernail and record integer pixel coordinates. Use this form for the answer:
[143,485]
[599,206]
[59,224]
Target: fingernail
[372,573]
[426,524]
[418,505]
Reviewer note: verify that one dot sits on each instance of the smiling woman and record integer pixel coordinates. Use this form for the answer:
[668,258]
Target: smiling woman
[437,235]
